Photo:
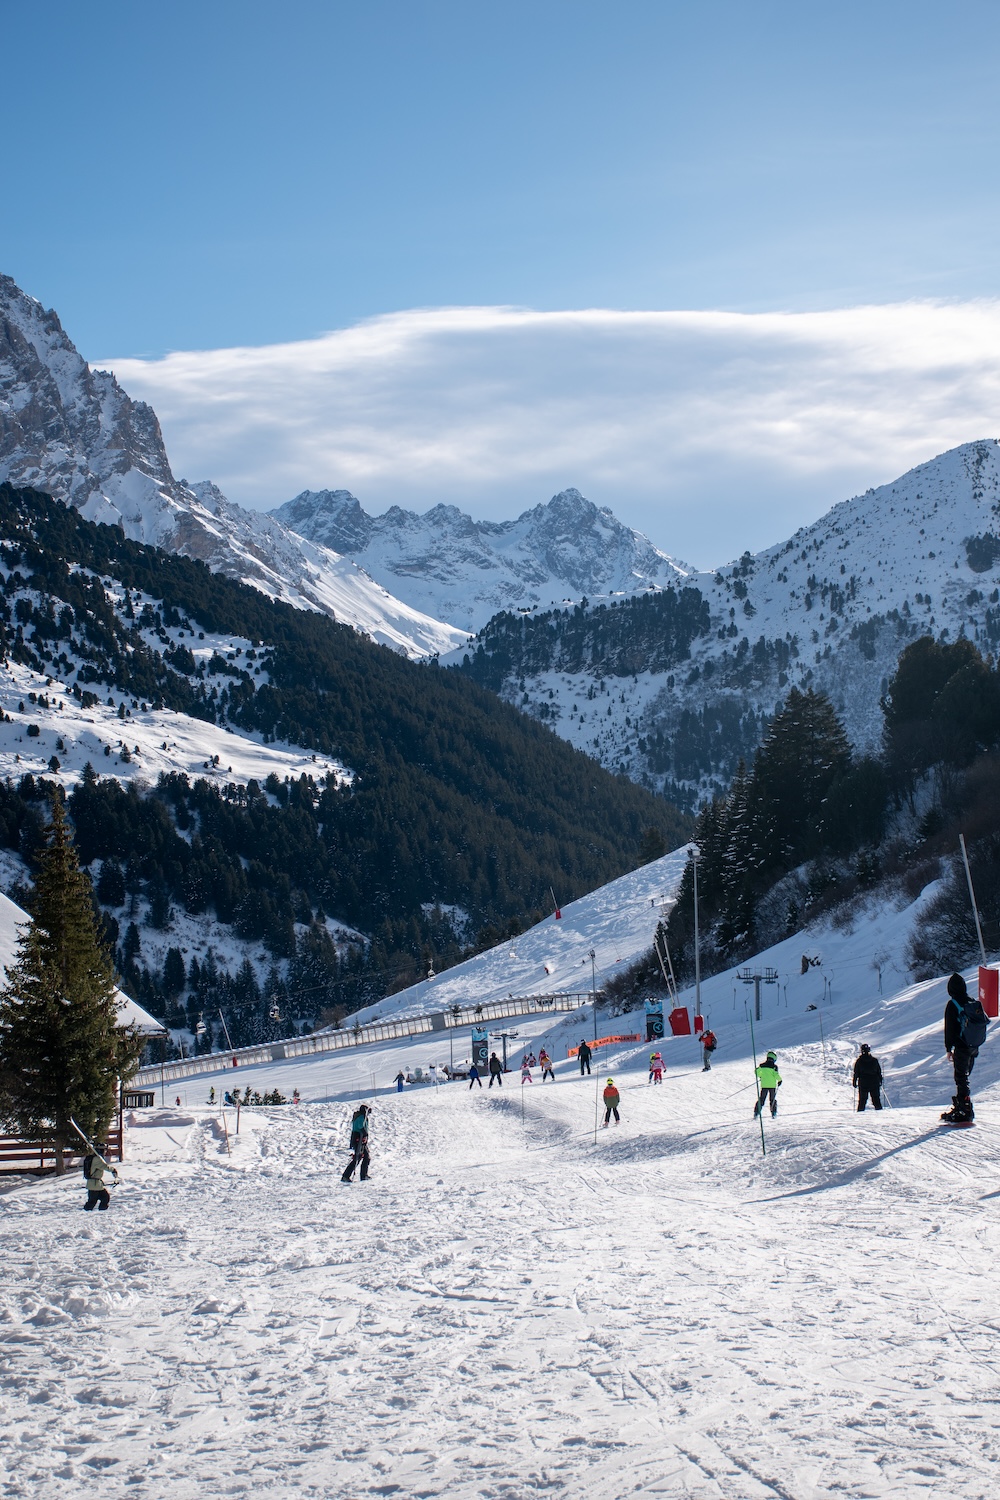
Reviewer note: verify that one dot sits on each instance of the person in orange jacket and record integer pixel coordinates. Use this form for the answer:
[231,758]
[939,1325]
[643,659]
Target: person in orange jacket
[612,1099]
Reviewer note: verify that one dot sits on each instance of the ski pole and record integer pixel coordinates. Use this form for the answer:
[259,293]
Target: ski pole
[760,1112]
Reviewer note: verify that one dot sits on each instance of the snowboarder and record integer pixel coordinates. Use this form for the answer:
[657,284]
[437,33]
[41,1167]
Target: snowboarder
[584,1055]
[474,1077]
[399,1080]
[496,1071]
[546,1062]
[525,1070]
[211,1096]
[656,1068]
[709,1042]
[868,1078]
[359,1145]
[94,1168]
[770,1081]
[612,1099]
[965,1026]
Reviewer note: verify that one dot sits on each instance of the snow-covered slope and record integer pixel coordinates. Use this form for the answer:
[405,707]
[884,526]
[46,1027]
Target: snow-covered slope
[74,433]
[830,608]
[464,570]
[654,1309]
[617,920]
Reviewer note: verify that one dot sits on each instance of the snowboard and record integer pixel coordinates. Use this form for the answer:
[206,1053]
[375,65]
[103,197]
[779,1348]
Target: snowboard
[958,1124]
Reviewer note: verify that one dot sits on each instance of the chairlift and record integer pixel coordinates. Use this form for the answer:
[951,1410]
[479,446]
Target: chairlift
[274,1013]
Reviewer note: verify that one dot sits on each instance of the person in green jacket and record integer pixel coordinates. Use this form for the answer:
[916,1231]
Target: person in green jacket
[770,1081]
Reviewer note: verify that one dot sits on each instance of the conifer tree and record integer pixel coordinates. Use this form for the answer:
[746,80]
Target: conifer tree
[62,1050]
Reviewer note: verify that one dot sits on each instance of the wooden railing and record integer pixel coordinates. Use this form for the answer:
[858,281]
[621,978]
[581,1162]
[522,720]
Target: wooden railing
[359,1036]
[34,1156]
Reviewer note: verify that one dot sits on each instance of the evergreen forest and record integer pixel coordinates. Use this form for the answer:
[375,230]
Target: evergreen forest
[457,801]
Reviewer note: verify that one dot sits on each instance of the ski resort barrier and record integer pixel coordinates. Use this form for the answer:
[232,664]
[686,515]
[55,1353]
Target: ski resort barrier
[359,1036]
[605,1041]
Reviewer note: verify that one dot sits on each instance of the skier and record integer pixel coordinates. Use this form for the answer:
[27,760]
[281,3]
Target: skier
[656,1068]
[584,1055]
[359,1145]
[965,1026]
[546,1062]
[770,1081]
[709,1042]
[296,1097]
[868,1078]
[432,1074]
[211,1096]
[399,1080]
[496,1071]
[525,1070]
[94,1168]
[612,1099]
[474,1077]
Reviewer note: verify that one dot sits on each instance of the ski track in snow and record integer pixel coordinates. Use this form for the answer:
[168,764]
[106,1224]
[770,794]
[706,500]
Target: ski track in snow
[512,1309]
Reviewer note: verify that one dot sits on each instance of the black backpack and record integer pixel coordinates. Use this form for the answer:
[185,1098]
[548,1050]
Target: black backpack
[973,1023]
[88,1162]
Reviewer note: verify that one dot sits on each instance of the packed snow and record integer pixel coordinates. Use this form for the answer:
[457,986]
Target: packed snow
[519,1300]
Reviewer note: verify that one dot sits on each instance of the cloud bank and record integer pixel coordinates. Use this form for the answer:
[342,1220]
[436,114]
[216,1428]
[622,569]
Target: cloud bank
[710,431]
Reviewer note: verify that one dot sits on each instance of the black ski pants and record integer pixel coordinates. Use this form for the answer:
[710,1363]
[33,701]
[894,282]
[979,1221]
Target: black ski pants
[496,1078]
[584,1065]
[609,1112]
[360,1157]
[963,1060]
[548,1073]
[870,1091]
[101,1199]
[476,1080]
[763,1099]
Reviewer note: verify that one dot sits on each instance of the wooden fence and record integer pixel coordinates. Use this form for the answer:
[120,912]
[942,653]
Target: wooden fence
[32,1156]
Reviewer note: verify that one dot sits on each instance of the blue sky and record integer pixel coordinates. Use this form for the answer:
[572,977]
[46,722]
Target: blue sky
[193,175]
[200,176]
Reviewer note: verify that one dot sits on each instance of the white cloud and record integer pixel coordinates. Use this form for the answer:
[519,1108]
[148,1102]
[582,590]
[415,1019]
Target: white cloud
[711,431]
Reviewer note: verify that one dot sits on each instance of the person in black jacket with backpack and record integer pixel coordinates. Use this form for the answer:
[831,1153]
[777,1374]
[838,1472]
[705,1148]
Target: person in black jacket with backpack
[868,1078]
[965,1024]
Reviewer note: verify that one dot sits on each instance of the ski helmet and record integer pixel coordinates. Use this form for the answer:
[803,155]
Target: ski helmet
[771,1057]
[865,1047]
[611,1080]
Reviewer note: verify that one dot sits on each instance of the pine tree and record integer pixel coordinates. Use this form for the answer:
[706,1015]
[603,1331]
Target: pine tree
[62,1051]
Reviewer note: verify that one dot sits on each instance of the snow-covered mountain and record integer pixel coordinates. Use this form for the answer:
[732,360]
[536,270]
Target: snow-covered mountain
[452,566]
[74,433]
[830,608]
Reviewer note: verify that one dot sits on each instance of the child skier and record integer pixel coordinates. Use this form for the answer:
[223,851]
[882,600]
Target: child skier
[360,1156]
[545,1062]
[656,1068]
[474,1077]
[709,1042]
[612,1099]
[525,1071]
[770,1081]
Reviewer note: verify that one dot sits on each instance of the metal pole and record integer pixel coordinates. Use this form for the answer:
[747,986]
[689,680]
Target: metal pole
[593,986]
[756,997]
[697,944]
[972,897]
